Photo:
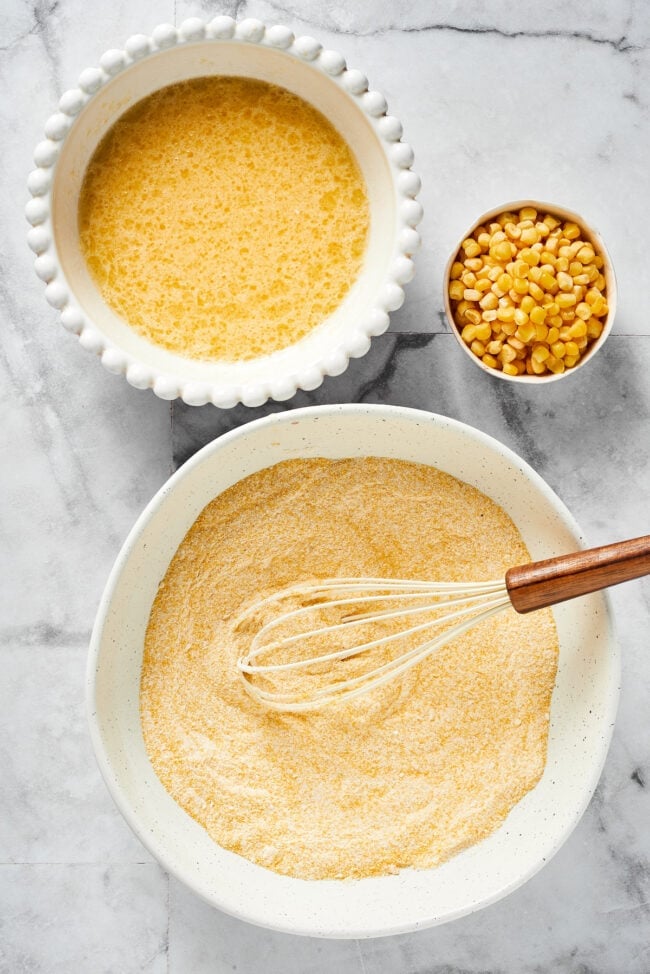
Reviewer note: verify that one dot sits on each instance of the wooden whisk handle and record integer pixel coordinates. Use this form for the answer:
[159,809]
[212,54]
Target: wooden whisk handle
[543,583]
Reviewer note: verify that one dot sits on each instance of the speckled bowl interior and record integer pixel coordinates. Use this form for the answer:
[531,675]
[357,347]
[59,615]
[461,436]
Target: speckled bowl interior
[224,47]
[583,706]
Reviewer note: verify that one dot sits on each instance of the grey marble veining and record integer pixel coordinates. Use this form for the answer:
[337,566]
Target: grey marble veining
[500,101]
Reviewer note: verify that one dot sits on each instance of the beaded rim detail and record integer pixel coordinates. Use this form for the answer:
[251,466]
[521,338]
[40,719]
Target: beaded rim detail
[352,82]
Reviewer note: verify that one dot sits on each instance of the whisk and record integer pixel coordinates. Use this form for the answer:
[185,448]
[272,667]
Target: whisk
[367,601]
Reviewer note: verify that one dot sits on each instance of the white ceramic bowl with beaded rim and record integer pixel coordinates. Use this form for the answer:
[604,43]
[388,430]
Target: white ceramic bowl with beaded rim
[224,47]
[582,713]
[589,233]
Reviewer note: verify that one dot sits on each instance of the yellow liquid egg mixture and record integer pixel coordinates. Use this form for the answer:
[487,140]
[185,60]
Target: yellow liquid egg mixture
[405,776]
[223,218]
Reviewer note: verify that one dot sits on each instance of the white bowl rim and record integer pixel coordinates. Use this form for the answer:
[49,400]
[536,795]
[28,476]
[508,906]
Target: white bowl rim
[186,470]
[554,209]
[353,84]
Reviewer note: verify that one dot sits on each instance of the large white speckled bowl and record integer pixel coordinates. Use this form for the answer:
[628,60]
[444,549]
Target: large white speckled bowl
[583,707]
[224,47]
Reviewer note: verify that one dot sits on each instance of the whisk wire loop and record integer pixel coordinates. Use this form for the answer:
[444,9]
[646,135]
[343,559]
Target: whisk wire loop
[477,600]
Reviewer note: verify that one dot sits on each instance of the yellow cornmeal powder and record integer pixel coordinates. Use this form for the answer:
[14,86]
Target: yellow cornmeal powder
[407,775]
[223,218]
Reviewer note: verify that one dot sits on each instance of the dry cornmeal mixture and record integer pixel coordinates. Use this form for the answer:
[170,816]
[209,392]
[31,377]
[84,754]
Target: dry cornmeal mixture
[408,775]
[223,218]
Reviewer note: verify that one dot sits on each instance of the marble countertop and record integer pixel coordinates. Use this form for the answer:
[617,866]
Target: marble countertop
[500,101]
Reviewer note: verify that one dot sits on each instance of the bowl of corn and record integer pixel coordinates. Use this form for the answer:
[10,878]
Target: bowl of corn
[530,292]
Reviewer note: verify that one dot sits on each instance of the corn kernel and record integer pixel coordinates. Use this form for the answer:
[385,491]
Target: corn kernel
[548,282]
[553,335]
[462,307]
[506,314]
[565,333]
[578,329]
[471,295]
[594,328]
[494,347]
[563,300]
[478,348]
[474,264]
[527,303]
[538,315]
[501,250]
[525,333]
[558,349]
[550,221]
[490,361]
[571,231]
[510,369]
[570,360]
[527,213]
[473,315]
[581,279]
[456,270]
[505,282]
[483,284]
[490,301]
[507,354]
[541,333]
[468,334]
[509,328]
[520,285]
[535,274]
[489,315]
[535,292]
[570,348]
[552,244]
[456,290]
[554,321]
[512,230]
[529,236]
[538,368]
[575,268]
[482,238]
[567,316]
[471,247]
[469,278]
[540,353]
[497,235]
[555,365]
[521,318]
[530,256]
[483,331]
[565,281]
[586,254]
[583,311]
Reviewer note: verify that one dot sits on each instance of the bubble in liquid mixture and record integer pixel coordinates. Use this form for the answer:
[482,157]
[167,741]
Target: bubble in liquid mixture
[223,218]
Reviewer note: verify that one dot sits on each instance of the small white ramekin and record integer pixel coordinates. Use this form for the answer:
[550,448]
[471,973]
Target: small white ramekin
[592,235]
[225,47]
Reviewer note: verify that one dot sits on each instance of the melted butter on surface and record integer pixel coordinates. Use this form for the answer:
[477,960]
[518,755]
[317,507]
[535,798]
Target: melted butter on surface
[223,218]
[406,776]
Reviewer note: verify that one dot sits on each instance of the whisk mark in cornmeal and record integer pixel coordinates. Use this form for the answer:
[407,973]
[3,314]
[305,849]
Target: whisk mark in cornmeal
[406,776]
